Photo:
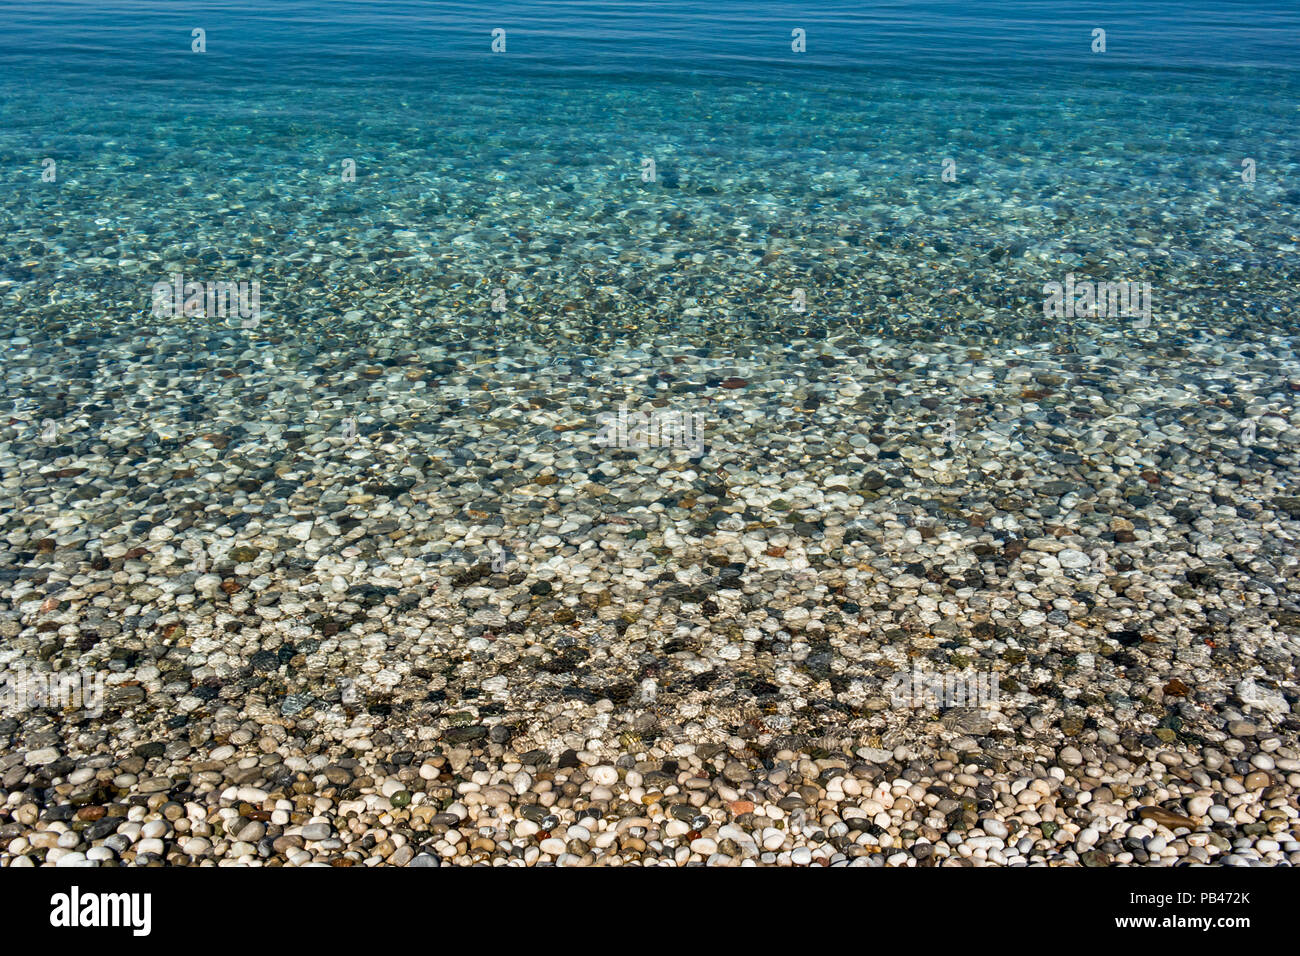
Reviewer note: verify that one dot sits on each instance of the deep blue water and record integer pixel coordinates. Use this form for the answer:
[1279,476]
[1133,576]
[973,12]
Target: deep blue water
[404,42]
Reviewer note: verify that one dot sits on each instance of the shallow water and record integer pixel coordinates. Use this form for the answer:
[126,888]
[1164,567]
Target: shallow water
[378,507]
[526,166]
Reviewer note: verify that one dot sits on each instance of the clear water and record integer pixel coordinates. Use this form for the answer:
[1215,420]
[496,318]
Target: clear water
[1125,164]
[840,267]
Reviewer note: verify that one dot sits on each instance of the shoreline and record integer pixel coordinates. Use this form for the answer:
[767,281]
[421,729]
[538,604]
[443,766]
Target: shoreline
[374,646]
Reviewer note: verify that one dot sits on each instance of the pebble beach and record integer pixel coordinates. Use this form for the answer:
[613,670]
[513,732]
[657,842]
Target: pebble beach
[467,635]
[365,582]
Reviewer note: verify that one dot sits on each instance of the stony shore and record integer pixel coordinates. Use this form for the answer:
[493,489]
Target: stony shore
[471,636]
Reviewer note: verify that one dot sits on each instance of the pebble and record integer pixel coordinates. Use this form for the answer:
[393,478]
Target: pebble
[463,634]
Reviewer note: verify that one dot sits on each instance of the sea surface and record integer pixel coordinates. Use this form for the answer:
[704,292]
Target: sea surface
[476,169]
[642,394]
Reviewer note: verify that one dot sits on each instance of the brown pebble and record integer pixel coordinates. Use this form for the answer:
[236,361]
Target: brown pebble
[1166,818]
[1257,780]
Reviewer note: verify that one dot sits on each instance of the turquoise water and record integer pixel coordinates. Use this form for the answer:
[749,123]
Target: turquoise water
[525,167]
[664,391]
